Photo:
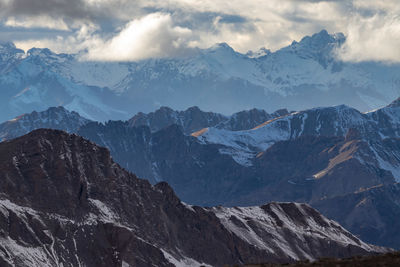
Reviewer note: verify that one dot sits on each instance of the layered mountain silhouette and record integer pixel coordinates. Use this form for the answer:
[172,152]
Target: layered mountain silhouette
[303,75]
[318,156]
[64,201]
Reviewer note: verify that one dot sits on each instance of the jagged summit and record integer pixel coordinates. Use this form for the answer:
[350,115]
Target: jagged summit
[320,40]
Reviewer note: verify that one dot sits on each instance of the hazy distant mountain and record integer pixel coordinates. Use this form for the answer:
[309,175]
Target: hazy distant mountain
[194,119]
[303,75]
[190,120]
[65,202]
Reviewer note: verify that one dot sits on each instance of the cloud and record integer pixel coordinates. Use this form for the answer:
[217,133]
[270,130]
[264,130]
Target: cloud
[151,36]
[37,22]
[82,39]
[136,29]
[376,38]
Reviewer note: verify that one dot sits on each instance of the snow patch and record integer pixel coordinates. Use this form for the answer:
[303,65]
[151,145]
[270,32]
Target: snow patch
[106,213]
[182,261]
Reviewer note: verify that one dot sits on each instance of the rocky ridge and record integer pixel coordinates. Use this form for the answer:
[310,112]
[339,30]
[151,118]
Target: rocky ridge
[63,201]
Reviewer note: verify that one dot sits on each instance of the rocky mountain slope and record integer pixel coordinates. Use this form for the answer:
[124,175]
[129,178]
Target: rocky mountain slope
[63,201]
[311,156]
[52,118]
[324,153]
[302,75]
[306,169]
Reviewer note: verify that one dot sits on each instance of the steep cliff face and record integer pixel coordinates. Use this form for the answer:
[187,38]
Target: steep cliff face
[63,201]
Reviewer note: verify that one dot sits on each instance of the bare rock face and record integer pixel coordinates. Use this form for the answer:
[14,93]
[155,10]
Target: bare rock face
[64,201]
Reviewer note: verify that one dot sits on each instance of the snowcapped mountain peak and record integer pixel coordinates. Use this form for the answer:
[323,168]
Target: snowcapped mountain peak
[217,78]
[319,46]
[220,47]
[322,39]
[221,52]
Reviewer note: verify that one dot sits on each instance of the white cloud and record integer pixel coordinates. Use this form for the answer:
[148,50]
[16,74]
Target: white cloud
[375,38]
[158,28]
[151,36]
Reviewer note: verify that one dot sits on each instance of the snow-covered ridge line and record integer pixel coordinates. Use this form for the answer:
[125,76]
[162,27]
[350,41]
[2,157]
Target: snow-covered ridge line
[217,79]
[251,223]
[329,121]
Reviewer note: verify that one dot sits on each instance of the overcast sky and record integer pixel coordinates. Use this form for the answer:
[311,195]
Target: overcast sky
[137,29]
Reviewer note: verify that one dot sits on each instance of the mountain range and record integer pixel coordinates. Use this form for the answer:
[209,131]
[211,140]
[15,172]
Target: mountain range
[300,76]
[65,202]
[320,156]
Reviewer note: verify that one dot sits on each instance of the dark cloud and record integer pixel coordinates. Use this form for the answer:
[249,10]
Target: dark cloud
[69,8]
[20,34]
